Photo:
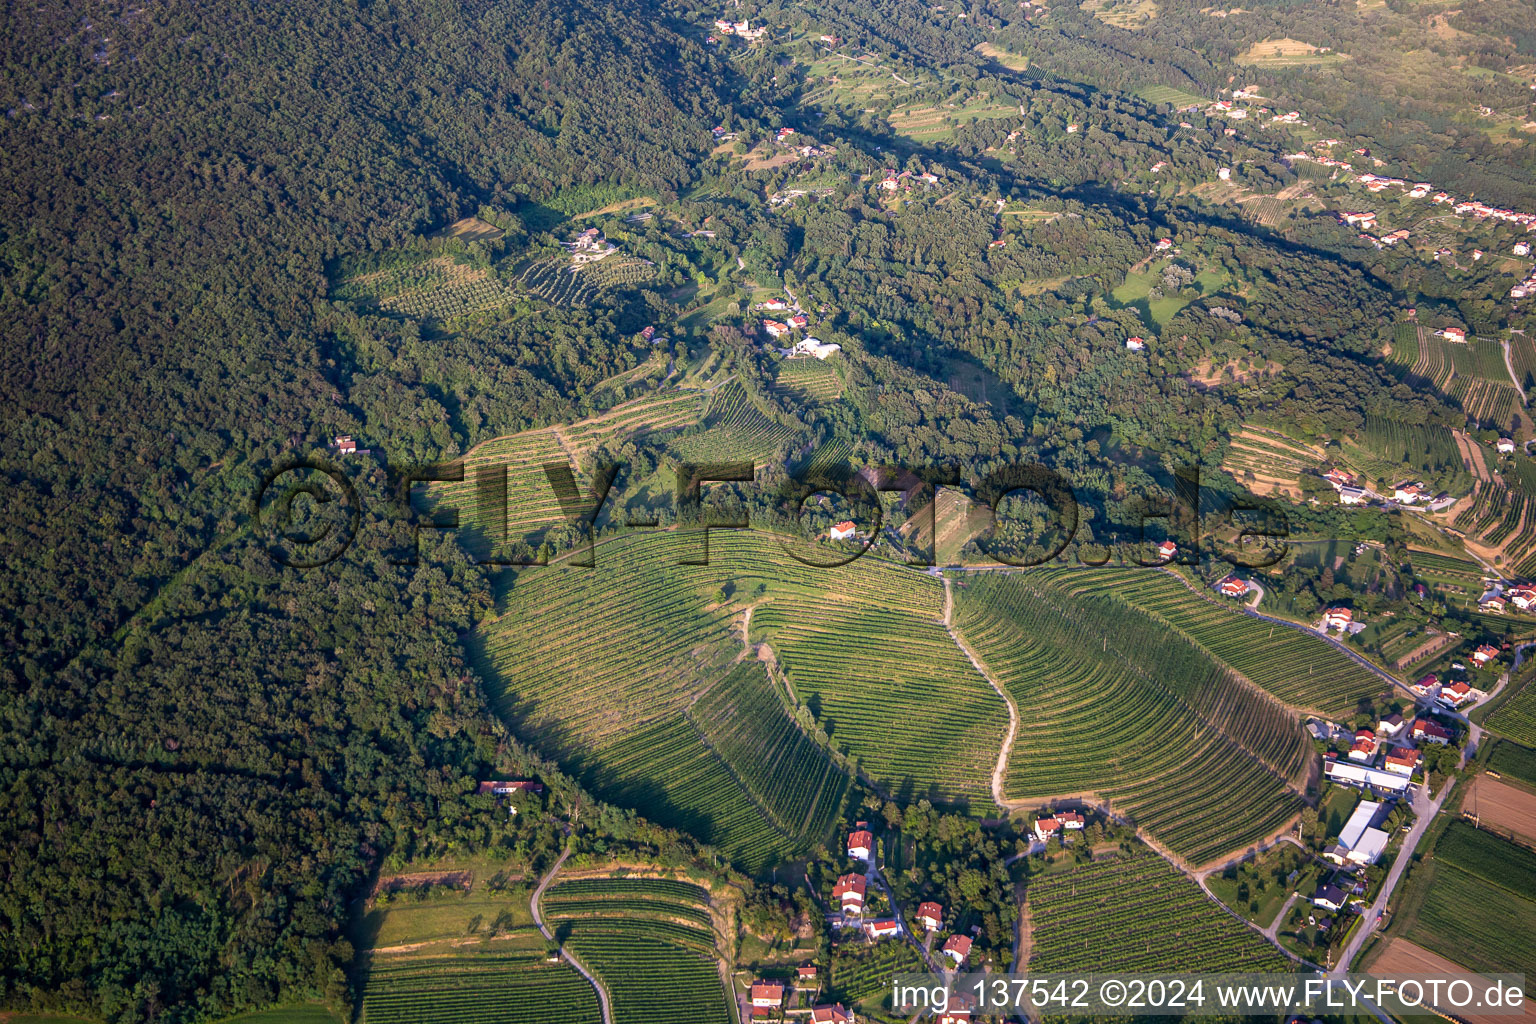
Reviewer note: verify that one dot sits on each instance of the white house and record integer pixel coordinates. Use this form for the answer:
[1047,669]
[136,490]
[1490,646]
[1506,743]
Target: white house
[1454,334]
[849,893]
[881,929]
[1338,618]
[767,995]
[1046,827]
[1167,549]
[930,915]
[1135,344]
[815,347]
[862,842]
[958,947]
[1224,173]
[1329,897]
[1484,654]
[1402,761]
[843,531]
[1505,446]
[834,1014]
[1407,493]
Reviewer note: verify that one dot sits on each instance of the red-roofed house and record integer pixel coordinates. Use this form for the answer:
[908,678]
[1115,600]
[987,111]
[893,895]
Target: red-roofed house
[954,1017]
[799,321]
[775,328]
[958,947]
[930,915]
[834,1014]
[849,893]
[1364,747]
[1337,618]
[860,843]
[1046,827]
[1454,334]
[806,972]
[1167,549]
[1426,684]
[843,531]
[767,995]
[1430,731]
[1071,820]
[882,929]
[1136,344]
[1484,654]
[1233,587]
[1402,760]
[1456,692]
[504,788]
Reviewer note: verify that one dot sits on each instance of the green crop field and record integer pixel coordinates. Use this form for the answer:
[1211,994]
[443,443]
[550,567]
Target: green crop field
[649,942]
[1515,717]
[808,380]
[1137,914]
[1514,761]
[1429,449]
[1477,870]
[862,974]
[1303,671]
[1104,687]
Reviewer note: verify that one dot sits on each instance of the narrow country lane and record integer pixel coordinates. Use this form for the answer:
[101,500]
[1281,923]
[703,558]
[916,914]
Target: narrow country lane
[570,958]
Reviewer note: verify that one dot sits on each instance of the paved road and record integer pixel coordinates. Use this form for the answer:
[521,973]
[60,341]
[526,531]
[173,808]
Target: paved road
[538,919]
[1426,810]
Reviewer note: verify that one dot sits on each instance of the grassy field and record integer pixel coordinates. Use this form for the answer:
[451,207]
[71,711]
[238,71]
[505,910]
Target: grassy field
[1168,94]
[1131,14]
[1287,53]
[1106,688]
[1514,761]
[1137,914]
[1515,717]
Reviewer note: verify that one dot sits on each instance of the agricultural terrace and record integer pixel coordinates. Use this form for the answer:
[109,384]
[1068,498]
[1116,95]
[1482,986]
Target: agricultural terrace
[864,648]
[1128,14]
[428,287]
[1137,914]
[1387,449]
[628,673]
[1522,356]
[1500,524]
[1120,707]
[519,988]
[1473,868]
[649,942]
[1306,673]
[1447,573]
[1267,461]
[531,506]
[463,956]
[932,124]
[734,429]
[1515,717]
[861,975]
[813,381]
[556,281]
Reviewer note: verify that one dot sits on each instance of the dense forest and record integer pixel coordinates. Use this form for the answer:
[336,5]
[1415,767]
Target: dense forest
[207,757]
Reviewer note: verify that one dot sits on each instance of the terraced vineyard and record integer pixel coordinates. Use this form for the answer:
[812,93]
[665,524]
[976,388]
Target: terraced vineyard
[486,989]
[1134,914]
[1426,448]
[555,280]
[1304,672]
[531,508]
[649,942]
[735,429]
[1120,707]
[808,380]
[1267,460]
[1516,717]
[861,973]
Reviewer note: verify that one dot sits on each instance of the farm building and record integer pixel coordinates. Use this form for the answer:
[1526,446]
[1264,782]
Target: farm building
[862,842]
[1359,843]
[930,915]
[849,893]
[1352,496]
[815,347]
[958,947]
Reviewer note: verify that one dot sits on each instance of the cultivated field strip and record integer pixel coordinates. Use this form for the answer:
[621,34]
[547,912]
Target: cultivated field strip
[735,430]
[1116,705]
[1136,914]
[649,942]
[479,989]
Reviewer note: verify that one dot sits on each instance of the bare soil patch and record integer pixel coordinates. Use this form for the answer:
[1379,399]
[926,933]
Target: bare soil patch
[1403,959]
[1505,807]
